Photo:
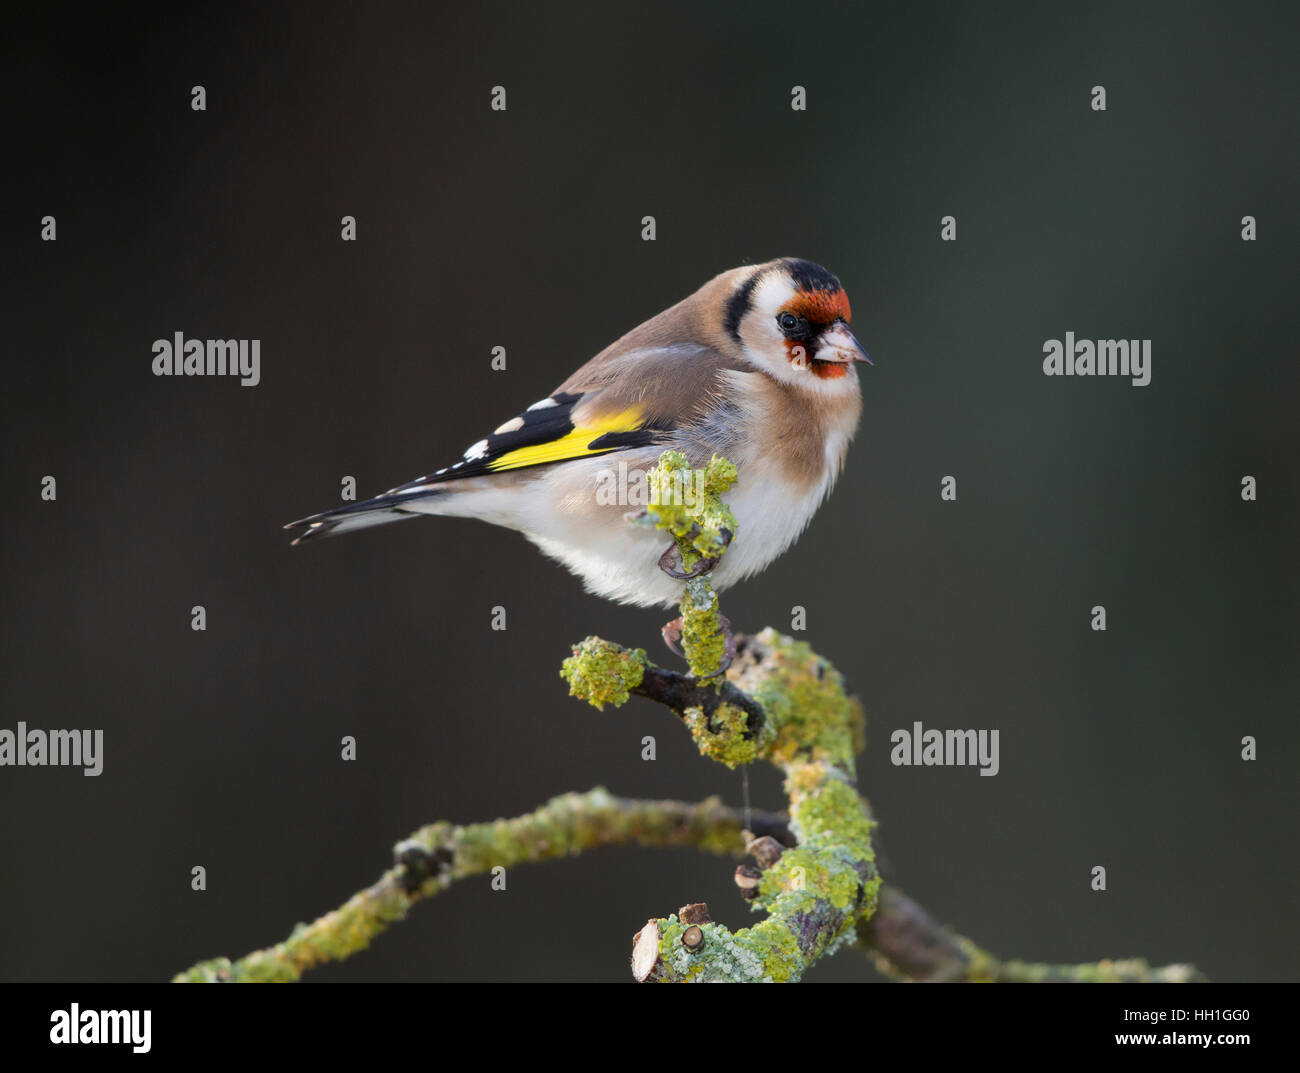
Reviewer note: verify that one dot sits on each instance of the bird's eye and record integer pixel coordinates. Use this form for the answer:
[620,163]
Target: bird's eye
[788,322]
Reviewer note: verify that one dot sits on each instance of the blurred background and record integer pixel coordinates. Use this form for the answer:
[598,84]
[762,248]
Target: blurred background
[522,229]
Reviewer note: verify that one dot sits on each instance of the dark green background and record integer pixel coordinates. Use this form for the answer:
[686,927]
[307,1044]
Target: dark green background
[521,229]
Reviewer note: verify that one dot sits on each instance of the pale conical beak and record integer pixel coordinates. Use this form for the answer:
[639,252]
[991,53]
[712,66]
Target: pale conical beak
[838,344]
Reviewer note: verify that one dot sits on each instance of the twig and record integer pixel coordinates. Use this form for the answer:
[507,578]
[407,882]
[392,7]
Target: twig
[908,944]
[681,693]
[902,937]
[436,856]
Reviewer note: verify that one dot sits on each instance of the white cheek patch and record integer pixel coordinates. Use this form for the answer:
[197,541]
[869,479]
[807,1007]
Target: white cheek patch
[769,296]
[760,335]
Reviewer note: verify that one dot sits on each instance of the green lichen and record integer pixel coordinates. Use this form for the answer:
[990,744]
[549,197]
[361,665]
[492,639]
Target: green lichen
[765,953]
[777,949]
[815,893]
[981,966]
[603,673]
[813,873]
[213,971]
[703,640]
[805,701]
[333,937]
[722,738]
[822,803]
[687,503]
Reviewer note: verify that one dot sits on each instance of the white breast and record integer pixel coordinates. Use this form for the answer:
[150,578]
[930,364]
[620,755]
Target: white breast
[621,562]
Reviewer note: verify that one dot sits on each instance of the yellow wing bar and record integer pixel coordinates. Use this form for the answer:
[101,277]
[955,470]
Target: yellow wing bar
[573,444]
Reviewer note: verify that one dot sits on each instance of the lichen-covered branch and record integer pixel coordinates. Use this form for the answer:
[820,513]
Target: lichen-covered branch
[814,873]
[907,943]
[440,854]
[904,940]
[782,703]
[729,722]
[814,893]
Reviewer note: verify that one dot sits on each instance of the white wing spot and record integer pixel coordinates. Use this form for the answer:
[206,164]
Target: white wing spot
[544,404]
[476,451]
[513,425]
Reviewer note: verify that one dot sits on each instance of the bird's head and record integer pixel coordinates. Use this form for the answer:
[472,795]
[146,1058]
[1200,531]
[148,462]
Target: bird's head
[791,319]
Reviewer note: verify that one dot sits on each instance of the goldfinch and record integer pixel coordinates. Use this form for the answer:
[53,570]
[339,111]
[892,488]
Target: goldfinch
[758,365]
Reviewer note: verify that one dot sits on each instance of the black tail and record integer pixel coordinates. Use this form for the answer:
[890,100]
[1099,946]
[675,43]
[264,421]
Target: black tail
[378,511]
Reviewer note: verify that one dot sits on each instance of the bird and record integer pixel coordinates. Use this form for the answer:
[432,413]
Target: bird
[758,365]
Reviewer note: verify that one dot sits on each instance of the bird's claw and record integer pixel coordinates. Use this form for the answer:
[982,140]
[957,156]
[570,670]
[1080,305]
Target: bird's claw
[672,634]
[670,562]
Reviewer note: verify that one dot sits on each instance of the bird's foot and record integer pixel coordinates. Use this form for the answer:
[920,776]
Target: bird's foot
[670,562]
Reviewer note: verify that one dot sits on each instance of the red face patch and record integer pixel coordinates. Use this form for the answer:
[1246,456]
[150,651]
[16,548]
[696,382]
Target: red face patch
[798,354]
[820,307]
[829,370]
